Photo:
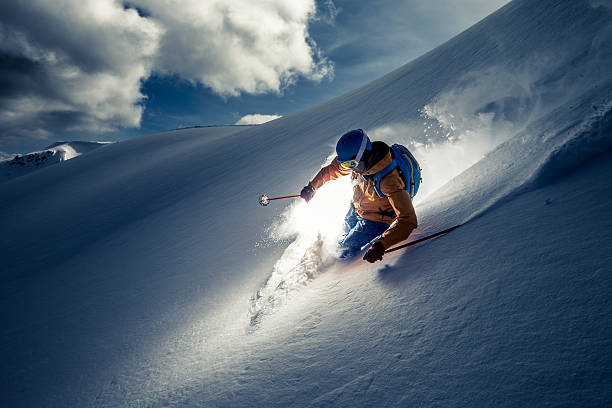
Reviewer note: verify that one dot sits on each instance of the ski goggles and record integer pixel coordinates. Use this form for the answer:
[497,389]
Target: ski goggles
[352,163]
[349,164]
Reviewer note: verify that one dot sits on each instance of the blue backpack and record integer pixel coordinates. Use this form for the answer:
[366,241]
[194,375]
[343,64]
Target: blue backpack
[408,168]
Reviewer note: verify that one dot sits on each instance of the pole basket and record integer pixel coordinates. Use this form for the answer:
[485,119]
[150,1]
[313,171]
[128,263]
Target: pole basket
[264,200]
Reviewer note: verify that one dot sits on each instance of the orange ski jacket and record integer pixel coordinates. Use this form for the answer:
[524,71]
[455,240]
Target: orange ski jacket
[394,209]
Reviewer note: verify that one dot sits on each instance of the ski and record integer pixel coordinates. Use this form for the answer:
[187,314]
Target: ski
[423,239]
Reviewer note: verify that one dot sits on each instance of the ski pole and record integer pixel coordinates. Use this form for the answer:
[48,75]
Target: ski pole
[265,200]
[422,239]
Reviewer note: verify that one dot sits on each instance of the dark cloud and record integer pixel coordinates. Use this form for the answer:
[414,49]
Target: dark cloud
[71,65]
[18,75]
[21,77]
[79,64]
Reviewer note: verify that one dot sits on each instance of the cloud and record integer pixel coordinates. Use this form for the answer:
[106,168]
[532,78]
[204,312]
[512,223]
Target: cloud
[327,12]
[235,46]
[72,65]
[256,119]
[78,65]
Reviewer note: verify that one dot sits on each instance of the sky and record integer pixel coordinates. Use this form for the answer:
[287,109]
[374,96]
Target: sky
[110,70]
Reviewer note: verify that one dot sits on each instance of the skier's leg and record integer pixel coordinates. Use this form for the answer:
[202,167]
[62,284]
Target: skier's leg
[363,232]
[350,220]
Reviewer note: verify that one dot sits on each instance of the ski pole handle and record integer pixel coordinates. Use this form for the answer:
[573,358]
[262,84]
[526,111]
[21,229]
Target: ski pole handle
[369,244]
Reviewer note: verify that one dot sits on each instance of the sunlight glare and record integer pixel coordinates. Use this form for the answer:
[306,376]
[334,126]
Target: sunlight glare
[314,228]
[324,215]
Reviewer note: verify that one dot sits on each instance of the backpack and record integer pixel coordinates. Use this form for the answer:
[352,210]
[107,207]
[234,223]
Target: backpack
[408,167]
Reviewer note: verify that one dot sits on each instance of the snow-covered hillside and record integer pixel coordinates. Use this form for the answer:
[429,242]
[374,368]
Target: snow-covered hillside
[21,164]
[129,274]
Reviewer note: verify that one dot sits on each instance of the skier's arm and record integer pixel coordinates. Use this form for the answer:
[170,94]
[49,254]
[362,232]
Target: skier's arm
[393,187]
[328,173]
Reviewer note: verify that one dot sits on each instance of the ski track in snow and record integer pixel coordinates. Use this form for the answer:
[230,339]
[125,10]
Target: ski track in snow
[285,282]
[580,143]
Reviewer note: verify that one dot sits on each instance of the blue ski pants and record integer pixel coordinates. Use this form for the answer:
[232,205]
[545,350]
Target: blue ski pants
[358,232]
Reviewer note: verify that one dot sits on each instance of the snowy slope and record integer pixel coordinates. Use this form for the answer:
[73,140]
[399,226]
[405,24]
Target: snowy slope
[131,284]
[21,164]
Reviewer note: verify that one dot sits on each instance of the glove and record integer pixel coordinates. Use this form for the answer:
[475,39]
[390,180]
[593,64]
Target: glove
[307,193]
[375,253]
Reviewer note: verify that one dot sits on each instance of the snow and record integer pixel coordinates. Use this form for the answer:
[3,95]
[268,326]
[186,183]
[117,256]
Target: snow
[256,119]
[130,274]
[12,166]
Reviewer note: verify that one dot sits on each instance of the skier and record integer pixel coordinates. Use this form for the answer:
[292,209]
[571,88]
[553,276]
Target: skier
[391,216]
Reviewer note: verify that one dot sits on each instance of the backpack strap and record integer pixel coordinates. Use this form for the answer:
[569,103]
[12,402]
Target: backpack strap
[378,176]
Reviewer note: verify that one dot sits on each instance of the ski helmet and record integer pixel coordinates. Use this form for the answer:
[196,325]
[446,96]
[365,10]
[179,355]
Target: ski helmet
[351,146]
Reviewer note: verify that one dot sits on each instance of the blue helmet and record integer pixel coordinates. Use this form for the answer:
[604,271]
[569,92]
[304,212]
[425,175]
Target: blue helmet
[352,145]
